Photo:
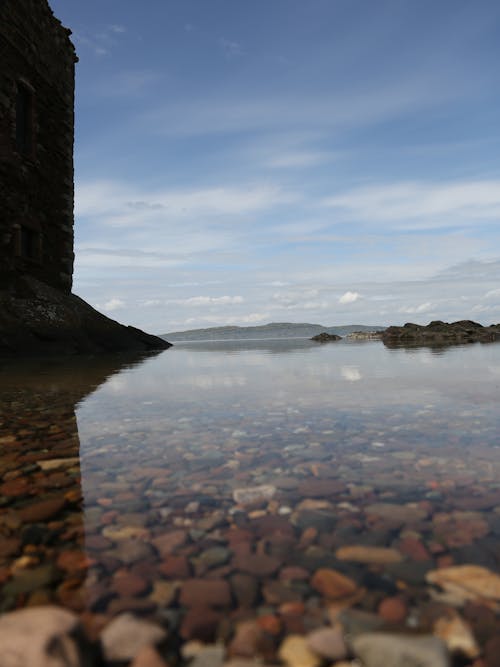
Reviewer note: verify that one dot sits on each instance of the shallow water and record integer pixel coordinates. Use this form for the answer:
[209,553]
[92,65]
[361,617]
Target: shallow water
[134,463]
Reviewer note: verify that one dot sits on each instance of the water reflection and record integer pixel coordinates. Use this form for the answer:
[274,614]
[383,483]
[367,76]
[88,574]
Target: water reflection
[42,554]
[118,475]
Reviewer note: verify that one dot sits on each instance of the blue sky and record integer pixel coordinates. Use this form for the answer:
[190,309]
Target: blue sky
[330,161]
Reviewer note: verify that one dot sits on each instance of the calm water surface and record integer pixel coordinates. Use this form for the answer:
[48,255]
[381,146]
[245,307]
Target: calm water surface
[134,463]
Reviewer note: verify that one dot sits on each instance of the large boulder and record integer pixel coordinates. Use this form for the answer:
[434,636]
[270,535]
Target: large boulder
[36,319]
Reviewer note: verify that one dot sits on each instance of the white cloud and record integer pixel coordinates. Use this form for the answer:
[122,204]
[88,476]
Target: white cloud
[111,305]
[299,159]
[349,297]
[121,205]
[421,205]
[210,300]
[222,320]
[422,308]
[492,294]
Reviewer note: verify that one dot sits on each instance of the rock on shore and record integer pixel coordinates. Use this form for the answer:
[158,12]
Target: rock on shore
[441,333]
[326,337]
[36,319]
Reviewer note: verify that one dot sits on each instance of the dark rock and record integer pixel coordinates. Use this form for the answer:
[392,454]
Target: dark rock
[36,319]
[439,334]
[325,337]
[200,623]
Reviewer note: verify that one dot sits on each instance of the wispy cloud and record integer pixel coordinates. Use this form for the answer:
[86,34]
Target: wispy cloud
[231,48]
[299,159]
[421,205]
[225,115]
[208,301]
[118,205]
[102,41]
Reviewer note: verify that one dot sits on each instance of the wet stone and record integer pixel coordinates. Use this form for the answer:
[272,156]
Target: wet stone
[26,581]
[200,592]
[332,584]
[386,650]
[42,510]
[328,643]
[259,565]
[126,635]
[201,623]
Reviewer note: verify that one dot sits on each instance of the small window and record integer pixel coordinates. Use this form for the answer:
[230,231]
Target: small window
[29,244]
[24,120]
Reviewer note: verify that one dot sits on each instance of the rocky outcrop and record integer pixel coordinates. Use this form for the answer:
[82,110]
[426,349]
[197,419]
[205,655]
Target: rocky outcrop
[325,337]
[365,335]
[37,320]
[439,334]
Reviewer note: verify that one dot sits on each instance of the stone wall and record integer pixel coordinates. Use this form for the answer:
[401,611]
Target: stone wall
[37,68]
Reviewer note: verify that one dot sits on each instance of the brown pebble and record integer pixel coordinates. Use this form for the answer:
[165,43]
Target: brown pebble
[127,584]
[175,567]
[41,511]
[332,584]
[207,593]
[259,565]
[148,657]
[200,623]
[393,610]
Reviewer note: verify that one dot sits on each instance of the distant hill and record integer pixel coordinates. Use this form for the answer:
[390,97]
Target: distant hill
[269,331]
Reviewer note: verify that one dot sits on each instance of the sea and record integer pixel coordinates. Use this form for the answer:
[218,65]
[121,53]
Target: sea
[254,464]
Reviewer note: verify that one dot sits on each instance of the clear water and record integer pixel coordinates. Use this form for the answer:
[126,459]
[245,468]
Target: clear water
[161,443]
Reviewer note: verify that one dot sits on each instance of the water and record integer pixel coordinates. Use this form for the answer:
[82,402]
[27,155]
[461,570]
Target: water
[134,463]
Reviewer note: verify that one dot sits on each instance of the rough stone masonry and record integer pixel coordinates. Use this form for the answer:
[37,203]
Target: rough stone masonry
[38,313]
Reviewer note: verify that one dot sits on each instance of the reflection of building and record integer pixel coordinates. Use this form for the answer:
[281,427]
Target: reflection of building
[40,447]
[37,61]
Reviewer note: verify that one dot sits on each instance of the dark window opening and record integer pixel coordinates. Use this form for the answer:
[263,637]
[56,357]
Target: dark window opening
[24,120]
[29,244]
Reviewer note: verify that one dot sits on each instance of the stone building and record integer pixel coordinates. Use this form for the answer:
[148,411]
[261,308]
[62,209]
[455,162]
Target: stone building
[39,314]
[37,73]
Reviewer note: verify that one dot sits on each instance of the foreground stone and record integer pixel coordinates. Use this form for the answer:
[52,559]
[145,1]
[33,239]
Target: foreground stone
[36,319]
[126,636]
[386,650]
[40,637]
[467,582]
[362,554]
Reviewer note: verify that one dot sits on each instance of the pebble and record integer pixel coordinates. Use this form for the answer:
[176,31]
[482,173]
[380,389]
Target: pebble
[362,554]
[386,650]
[295,652]
[27,634]
[393,610]
[328,643]
[147,656]
[468,582]
[457,635]
[397,513]
[332,584]
[41,510]
[205,592]
[247,638]
[209,656]
[126,635]
[254,494]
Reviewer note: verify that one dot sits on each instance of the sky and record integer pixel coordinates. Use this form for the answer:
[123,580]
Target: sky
[242,162]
